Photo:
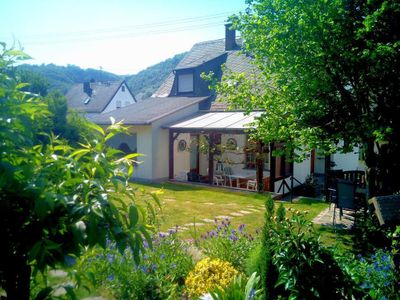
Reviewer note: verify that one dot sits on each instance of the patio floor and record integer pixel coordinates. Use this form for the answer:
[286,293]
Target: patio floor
[325,218]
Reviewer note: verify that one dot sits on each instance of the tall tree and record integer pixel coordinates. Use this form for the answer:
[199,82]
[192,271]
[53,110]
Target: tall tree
[329,72]
[55,199]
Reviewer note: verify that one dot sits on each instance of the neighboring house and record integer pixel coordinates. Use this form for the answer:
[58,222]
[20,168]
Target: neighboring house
[93,98]
[171,127]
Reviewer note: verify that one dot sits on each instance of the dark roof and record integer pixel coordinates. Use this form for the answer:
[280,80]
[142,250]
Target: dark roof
[147,111]
[206,51]
[103,92]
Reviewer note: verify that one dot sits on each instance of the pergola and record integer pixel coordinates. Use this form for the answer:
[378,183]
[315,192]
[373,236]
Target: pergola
[213,123]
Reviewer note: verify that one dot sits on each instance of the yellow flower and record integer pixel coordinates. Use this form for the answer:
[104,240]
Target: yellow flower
[209,274]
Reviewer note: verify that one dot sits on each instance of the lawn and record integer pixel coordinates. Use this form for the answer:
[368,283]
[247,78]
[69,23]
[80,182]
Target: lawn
[193,207]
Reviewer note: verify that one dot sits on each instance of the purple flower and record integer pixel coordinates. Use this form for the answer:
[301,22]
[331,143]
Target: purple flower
[173,266]
[111,277]
[69,260]
[162,256]
[241,227]
[110,258]
[144,269]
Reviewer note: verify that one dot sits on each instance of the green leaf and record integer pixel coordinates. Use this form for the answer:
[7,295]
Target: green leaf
[79,153]
[133,216]
[44,293]
[96,128]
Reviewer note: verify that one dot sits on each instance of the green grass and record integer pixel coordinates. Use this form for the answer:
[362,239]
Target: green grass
[183,204]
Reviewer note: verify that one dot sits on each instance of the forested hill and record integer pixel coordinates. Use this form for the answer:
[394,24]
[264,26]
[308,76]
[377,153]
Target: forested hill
[62,78]
[146,82]
[52,77]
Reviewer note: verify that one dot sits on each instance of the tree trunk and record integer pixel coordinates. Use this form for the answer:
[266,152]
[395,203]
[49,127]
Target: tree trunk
[260,167]
[17,275]
[383,165]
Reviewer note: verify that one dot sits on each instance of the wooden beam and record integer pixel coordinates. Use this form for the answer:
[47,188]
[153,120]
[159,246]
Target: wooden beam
[171,139]
[171,154]
[211,158]
[272,168]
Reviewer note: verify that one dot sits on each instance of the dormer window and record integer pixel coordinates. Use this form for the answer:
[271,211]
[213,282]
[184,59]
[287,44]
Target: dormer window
[123,88]
[185,83]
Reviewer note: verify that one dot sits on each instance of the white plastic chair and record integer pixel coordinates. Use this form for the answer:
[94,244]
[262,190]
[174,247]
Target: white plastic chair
[252,184]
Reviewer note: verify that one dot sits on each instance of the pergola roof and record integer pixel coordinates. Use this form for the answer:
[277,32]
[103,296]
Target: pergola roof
[210,121]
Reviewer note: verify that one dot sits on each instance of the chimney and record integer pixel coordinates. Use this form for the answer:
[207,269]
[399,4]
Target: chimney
[230,37]
[87,89]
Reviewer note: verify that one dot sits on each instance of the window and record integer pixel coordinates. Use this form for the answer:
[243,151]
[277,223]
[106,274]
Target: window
[185,83]
[123,88]
[118,104]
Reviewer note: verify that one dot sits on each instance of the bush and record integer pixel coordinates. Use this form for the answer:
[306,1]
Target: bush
[375,275]
[239,289]
[209,274]
[228,244]
[160,275]
[293,262]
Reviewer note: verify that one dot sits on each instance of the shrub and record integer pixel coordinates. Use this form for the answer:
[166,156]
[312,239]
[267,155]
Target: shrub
[160,275]
[228,244]
[208,275]
[239,289]
[293,262]
[374,275]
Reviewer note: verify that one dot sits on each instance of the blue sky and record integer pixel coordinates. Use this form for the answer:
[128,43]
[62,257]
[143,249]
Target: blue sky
[121,36]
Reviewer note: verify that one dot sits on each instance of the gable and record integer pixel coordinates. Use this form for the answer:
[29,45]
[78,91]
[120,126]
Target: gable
[102,93]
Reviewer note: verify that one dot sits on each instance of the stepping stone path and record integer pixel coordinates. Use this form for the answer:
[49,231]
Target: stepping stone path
[253,209]
[249,210]
[223,217]
[208,221]
[170,199]
[235,214]
[194,224]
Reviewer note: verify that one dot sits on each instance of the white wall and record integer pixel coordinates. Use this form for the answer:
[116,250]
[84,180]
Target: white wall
[125,99]
[348,161]
[181,158]
[144,146]
[319,163]
[130,140]
[302,170]
[160,141]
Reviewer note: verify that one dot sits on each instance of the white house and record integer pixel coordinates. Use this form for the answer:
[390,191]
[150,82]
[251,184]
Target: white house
[177,126]
[94,98]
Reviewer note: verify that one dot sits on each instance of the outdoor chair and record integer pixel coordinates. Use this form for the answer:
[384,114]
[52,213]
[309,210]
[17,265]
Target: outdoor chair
[344,198]
[227,175]
[218,180]
[252,184]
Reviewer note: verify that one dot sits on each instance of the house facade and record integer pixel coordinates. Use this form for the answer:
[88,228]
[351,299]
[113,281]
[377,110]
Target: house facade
[92,98]
[185,132]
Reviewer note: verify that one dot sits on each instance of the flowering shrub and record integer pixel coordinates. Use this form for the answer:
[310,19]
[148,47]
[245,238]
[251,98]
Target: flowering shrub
[160,275]
[228,244]
[208,275]
[375,275]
